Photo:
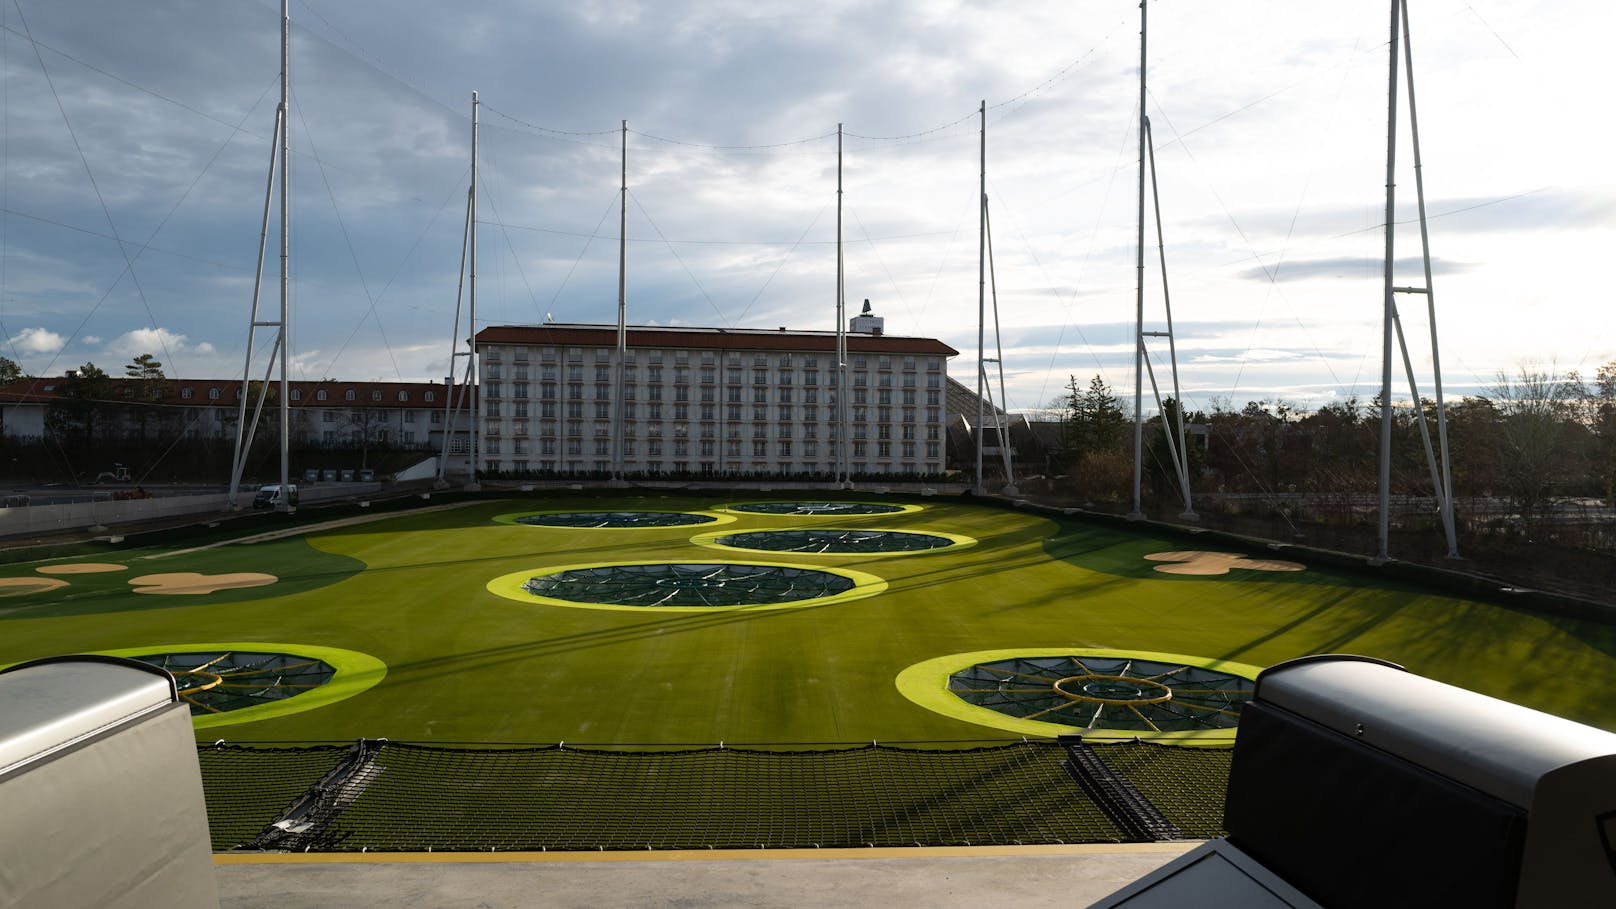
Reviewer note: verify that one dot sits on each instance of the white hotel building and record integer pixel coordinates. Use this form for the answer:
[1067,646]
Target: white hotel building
[709,401]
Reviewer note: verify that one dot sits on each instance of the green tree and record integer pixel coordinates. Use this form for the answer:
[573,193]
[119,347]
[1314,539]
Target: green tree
[10,372]
[81,401]
[149,385]
[1094,419]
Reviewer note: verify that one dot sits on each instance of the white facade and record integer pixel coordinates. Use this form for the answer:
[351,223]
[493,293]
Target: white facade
[708,402]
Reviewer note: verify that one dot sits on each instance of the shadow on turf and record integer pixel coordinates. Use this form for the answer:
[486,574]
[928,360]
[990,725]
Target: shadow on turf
[429,670]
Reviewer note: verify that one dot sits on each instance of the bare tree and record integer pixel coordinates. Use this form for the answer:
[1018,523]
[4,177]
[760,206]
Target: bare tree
[1536,442]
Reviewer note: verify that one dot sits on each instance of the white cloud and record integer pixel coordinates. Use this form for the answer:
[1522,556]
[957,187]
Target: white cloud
[37,341]
[161,343]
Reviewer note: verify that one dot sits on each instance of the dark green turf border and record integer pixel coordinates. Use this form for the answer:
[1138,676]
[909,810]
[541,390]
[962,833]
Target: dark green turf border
[957,542]
[926,684]
[1449,582]
[356,673]
[513,516]
[510,587]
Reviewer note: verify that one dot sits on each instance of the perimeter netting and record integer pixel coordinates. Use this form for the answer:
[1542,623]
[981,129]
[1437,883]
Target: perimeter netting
[380,796]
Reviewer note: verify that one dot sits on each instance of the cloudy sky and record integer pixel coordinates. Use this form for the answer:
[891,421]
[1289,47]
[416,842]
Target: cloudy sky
[136,138]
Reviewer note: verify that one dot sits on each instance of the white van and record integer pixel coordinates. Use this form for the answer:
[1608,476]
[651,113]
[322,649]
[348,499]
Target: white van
[270,496]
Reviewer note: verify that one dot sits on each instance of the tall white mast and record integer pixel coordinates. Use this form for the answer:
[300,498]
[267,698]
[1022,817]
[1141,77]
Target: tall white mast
[1139,302]
[246,430]
[1437,461]
[622,318]
[981,293]
[1389,305]
[844,460]
[474,371]
[285,503]
[1172,430]
[455,396]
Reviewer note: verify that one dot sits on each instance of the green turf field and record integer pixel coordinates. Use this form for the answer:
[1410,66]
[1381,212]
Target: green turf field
[464,663]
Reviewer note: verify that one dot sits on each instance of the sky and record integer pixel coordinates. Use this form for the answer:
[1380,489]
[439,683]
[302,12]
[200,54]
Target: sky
[137,140]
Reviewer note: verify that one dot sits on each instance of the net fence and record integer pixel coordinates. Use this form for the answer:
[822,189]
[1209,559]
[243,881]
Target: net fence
[375,795]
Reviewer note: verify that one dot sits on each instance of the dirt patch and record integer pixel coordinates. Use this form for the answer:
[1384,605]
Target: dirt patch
[16,587]
[1215,563]
[82,568]
[182,583]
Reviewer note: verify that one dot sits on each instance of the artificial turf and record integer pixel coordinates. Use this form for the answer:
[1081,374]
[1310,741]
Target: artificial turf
[465,665]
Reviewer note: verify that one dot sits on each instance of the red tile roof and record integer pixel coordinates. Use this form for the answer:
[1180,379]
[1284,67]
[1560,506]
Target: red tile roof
[305,394]
[563,335]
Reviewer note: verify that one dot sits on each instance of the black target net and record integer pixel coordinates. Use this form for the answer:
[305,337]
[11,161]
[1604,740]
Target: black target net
[218,682]
[829,541]
[688,584]
[810,509]
[615,519]
[1106,693]
[381,796]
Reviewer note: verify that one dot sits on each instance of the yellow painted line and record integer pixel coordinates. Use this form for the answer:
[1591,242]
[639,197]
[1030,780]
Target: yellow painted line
[693,855]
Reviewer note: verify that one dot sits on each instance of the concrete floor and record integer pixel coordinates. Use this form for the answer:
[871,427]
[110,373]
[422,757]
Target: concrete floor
[1029,877]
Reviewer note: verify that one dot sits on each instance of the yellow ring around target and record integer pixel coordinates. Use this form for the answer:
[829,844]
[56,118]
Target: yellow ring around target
[926,684]
[355,673]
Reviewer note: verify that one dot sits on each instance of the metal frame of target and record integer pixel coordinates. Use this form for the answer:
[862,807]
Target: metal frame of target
[513,586]
[798,510]
[597,519]
[278,689]
[1060,698]
[829,538]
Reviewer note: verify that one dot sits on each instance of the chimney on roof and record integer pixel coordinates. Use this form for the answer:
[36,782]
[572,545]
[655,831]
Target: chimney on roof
[867,323]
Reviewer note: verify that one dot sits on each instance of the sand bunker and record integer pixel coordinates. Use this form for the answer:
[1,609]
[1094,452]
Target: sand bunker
[1212,563]
[16,587]
[82,568]
[190,582]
